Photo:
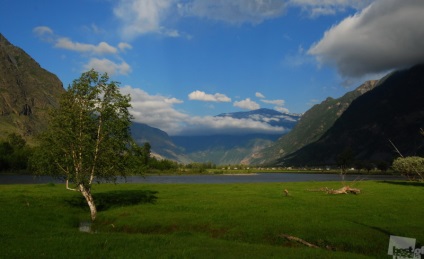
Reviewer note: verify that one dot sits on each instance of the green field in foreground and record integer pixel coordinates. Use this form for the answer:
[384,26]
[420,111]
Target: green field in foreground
[209,220]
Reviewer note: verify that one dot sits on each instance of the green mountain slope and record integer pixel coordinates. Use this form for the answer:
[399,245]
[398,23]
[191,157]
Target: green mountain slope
[223,149]
[312,125]
[394,110]
[161,144]
[27,91]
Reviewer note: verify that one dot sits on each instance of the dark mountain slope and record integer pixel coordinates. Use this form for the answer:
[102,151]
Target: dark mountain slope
[27,91]
[312,125]
[394,110]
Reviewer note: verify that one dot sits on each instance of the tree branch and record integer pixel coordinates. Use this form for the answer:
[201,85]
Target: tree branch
[71,189]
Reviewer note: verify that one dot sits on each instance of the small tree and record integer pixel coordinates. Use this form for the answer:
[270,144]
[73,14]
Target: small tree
[145,153]
[383,166]
[412,167]
[88,136]
[344,161]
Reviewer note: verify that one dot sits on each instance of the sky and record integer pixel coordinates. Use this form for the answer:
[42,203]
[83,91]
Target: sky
[185,61]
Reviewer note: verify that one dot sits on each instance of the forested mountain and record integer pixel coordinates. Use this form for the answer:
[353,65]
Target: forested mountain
[312,125]
[27,91]
[223,149]
[392,111]
[161,144]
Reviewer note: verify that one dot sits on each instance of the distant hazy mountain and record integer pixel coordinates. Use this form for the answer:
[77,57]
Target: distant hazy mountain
[27,91]
[313,124]
[161,144]
[393,110]
[235,149]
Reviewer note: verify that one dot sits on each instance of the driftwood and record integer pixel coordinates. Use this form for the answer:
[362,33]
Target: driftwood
[303,242]
[299,240]
[343,190]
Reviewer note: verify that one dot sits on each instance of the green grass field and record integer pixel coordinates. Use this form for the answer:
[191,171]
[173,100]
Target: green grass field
[209,220]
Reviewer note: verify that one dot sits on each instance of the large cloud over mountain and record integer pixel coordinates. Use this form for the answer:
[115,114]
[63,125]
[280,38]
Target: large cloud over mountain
[386,35]
[159,111]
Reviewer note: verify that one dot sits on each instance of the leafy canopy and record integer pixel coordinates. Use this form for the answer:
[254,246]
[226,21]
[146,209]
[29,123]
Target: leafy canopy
[89,134]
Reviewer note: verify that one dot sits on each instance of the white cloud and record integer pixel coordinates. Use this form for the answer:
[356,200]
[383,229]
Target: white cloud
[42,30]
[275,102]
[202,96]
[108,66]
[386,35]
[44,33]
[93,29]
[143,16]
[317,8]
[139,17]
[123,46]
[155,110]
[259,95]
[298,59]
[209,125]
[247,104]
[279,103]
[101,48]
[281,109]
[235,11]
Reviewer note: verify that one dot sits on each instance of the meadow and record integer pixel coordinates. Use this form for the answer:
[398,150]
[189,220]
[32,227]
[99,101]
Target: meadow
[209,220]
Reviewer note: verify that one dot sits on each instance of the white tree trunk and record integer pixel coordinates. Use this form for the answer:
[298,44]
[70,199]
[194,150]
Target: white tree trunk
[89,198]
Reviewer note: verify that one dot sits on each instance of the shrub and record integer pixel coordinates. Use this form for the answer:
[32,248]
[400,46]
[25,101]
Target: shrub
[412,167]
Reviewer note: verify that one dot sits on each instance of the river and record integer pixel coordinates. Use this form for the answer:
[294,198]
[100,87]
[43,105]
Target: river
[215,179]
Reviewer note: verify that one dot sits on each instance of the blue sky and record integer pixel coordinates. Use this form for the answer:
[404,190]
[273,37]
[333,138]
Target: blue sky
[184,61]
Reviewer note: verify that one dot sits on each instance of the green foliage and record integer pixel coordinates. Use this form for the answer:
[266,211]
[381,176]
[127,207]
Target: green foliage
[163,165]
[88,135]
[412,167]
[345,159]
[14,153]
[383,166]
[145,152]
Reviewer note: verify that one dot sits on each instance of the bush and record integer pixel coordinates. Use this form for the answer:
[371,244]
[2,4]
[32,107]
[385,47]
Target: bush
[412,167]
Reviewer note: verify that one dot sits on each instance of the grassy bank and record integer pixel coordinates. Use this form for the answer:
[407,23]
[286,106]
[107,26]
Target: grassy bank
[209,220]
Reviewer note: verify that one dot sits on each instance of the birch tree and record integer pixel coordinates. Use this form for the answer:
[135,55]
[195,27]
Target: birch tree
[88,138]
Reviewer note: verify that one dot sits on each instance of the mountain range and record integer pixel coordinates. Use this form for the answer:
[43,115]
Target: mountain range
[375,126]
[236,149]
[371,122]
[312,125]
